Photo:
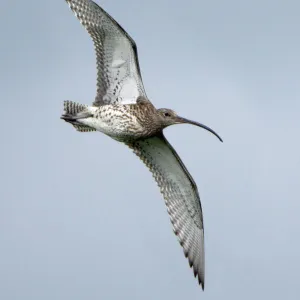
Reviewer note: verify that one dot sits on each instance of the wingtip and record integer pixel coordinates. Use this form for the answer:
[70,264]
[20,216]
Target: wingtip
[201,282]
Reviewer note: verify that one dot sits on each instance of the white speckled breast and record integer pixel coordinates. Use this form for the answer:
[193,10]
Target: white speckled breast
[116,121]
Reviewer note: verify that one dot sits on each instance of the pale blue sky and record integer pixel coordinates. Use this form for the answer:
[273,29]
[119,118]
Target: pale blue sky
[81,217]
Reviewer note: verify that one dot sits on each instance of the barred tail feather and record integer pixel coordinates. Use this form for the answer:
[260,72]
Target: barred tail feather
[83,128]
[76,111]
[72,108]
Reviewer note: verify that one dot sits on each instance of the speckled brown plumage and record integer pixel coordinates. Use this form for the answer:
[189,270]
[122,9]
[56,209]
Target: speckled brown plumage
[122,111]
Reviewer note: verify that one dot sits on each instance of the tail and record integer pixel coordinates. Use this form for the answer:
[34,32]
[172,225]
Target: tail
[74,112]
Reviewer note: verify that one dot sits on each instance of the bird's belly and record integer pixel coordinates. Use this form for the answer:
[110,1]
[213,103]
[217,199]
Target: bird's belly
[118,129]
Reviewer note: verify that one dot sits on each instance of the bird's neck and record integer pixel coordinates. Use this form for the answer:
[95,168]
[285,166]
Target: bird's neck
[147,116]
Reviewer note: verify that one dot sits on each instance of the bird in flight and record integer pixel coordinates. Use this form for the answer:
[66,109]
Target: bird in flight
[122,111]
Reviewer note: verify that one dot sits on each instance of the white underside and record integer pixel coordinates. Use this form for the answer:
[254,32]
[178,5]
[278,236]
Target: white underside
[109,125]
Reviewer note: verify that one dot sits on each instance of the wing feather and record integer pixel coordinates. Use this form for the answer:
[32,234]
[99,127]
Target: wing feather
[119,77]
[180,194]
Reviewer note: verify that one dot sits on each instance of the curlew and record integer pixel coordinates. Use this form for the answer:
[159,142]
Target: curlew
[122,111]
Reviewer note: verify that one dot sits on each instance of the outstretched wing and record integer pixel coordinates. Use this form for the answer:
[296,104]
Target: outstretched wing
[119,76]
[180,194]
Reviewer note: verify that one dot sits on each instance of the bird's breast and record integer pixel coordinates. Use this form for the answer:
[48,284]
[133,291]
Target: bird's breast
[120,122]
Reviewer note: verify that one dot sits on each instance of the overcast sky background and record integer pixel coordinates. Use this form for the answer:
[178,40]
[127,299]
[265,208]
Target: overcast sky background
[80,215]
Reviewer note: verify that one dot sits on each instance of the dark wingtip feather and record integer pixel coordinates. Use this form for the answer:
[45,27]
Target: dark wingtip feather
[201,282]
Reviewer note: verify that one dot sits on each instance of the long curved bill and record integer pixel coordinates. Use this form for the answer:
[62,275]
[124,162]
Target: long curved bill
[186,121]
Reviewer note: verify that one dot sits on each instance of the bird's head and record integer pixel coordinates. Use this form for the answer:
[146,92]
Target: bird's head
[169,117]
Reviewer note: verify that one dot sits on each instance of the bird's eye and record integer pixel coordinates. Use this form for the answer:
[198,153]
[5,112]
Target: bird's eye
[166,114]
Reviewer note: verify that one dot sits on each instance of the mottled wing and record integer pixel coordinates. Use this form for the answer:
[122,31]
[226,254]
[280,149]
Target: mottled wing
[119,76]
[180,194]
